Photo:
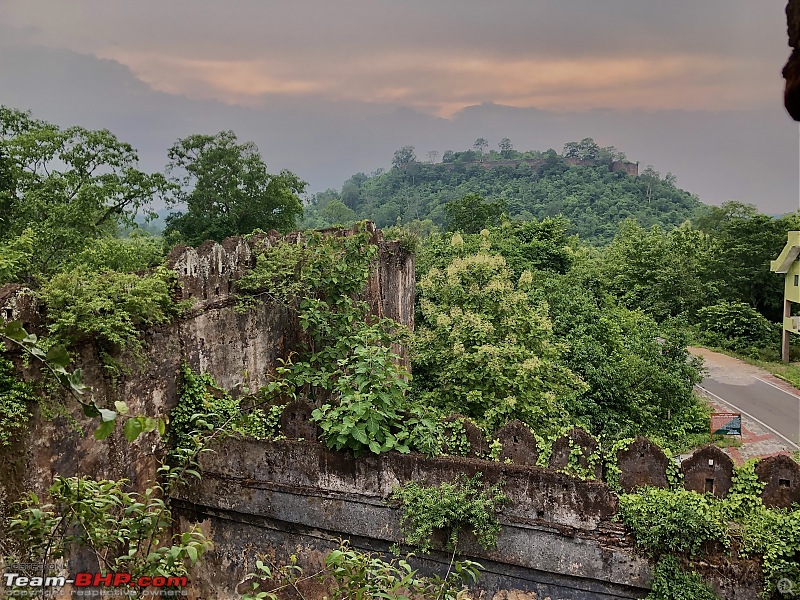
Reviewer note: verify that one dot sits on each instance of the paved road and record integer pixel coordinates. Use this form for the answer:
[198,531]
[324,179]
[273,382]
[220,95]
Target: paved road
[763,401]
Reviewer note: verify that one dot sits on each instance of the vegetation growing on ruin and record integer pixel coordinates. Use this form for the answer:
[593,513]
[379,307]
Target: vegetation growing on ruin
[109,309]
[676,521]
[465,504]
[359,575]
[672,582]
[15,398]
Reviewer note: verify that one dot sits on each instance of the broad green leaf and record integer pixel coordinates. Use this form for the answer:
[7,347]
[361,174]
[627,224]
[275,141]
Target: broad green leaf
[57,356]
[133,427]
[104,430]
[15,331]
[107,415]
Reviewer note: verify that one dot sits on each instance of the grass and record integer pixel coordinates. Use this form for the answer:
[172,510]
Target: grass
[789,372]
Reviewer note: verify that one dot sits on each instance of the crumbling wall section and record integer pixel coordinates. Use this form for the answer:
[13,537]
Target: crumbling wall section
[240,349]
[558,537]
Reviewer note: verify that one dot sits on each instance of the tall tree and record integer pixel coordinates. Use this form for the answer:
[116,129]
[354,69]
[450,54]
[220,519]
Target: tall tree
[480,145]
[506,147]
[403,157]
[484,349]
[227,190]
[66,187]
[472,213]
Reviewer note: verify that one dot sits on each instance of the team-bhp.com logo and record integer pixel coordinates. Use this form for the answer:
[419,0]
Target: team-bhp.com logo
[88,584]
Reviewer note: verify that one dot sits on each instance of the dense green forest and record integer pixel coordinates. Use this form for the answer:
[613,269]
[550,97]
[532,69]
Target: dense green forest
[593,197]
[559,295]
[587,316]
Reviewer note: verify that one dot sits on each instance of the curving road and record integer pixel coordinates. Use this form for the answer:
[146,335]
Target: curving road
[764,400]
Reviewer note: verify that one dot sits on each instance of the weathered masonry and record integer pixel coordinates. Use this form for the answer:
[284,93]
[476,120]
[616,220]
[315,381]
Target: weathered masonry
[558,538]
[239,349]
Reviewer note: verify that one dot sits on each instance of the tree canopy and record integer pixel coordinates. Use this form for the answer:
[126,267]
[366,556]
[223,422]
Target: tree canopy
[227,190]
[532,184]
[60,189]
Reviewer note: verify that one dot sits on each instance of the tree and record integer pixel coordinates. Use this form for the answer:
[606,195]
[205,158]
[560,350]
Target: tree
[432,155]
[448,156]
[749,241]
[472,213]
[662,273]
[336,212]
[480,145]
[227,190]
[586,149]
[570,150]
[484,349]
[506,147]
[403,157]
[66,187]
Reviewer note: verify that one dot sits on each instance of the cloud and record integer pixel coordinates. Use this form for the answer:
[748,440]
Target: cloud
[438,57]
[445,84]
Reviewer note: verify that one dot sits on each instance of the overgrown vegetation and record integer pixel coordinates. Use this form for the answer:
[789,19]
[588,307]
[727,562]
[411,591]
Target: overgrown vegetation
[107,308]
[672,582]
[667,522]
[359,575]
[594,199]
[348,365]
[15,398]
[126,532]
[451,507]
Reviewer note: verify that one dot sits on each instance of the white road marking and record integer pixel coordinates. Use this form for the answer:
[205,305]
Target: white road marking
[795,396]
[759,421]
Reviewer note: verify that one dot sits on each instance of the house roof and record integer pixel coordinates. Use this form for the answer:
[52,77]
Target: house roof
[789,254]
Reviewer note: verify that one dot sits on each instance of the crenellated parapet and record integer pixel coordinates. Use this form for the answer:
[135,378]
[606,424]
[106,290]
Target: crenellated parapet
[208,274]
[638,464]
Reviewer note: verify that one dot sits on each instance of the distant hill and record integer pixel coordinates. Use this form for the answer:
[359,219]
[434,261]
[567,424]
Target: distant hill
[595,188]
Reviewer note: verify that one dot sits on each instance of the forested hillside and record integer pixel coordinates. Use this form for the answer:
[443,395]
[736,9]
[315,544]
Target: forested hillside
[517,319]
[528,185]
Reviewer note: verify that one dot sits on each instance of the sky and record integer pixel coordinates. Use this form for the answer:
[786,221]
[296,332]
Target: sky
[328,88]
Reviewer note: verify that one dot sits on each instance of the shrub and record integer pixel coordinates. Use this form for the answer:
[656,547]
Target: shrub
[450,507]
[108,309]
[734,325]
[667,521]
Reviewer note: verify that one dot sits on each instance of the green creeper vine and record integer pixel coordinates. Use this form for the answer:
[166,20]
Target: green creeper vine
[574,466]
[203,405]
[450,507]
[15,396]
[671,582]
[677,521]
[611,468]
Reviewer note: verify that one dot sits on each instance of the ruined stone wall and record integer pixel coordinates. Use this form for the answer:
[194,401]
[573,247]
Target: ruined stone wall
[239,349]
[558,537]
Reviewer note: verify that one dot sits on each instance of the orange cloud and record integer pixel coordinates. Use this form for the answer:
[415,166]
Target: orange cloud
[445,84]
